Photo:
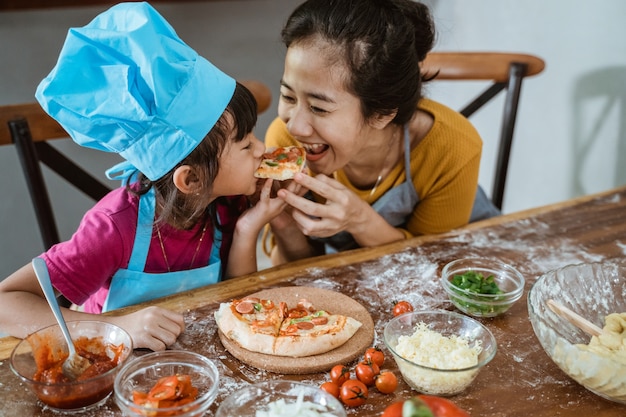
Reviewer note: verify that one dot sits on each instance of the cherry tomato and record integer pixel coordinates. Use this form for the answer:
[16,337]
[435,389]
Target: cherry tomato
[402,307]
[339,374]
[442,407]
[331,388]
[386,382]
[375,355]
[366,372]
[353,393]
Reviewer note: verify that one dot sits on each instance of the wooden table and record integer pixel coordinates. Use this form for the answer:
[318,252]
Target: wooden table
[520,381]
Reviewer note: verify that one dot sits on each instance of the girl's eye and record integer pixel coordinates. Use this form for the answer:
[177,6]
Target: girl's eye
[287,98]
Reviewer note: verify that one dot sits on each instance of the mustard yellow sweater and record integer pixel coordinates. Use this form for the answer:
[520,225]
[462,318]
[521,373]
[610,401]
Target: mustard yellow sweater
[444,170]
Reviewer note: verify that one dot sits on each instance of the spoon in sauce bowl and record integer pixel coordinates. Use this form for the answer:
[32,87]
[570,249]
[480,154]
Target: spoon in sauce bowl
[75,364]
[578,321]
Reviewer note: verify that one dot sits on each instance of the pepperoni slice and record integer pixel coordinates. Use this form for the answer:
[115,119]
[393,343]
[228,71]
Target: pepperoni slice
[245,307]
[318,321]
[305,325]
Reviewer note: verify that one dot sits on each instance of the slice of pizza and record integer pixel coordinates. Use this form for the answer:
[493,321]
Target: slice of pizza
[314,333]
[251,322]
[282,163]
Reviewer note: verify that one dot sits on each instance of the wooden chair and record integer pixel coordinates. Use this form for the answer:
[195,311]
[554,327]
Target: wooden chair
[505,71]
[29,128]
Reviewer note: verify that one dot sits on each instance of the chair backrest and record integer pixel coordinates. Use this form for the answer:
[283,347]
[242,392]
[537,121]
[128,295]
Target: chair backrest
[504,71]
[29,128]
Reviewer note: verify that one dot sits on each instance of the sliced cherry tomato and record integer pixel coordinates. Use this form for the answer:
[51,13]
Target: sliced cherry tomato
[366,372]
[375,355]
[442,407]
[164,389]
[402,307]
[339,374]
[386,382]
[331,388]
[353,393]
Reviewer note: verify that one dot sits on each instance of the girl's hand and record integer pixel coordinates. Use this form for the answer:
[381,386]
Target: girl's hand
[153,328]
[343,210]
[266,208]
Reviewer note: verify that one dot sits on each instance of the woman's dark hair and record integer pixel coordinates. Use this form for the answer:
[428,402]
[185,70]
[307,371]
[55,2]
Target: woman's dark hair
[382,43]
[184,210]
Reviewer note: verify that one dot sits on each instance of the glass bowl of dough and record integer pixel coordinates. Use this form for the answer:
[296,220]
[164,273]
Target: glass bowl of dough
[596,291]
[280,398]
[439,352]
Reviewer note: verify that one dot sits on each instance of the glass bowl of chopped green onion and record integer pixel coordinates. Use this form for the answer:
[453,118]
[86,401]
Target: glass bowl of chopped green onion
[278,398]
[439,352]
[482,287]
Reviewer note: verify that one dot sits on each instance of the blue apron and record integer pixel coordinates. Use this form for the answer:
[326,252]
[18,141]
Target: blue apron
[132,285]
[398,203]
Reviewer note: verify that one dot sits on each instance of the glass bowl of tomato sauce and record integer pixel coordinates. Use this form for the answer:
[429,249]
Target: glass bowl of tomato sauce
[169,383]
[482,287]
[38,358]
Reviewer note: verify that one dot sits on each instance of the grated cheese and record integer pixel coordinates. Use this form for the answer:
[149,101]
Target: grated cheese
[431,349]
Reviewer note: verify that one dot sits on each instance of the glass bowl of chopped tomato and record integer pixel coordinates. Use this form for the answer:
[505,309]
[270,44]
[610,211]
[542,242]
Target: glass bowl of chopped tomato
[482,287]
[280,398]
[169,383]
[37,360]
[439,352]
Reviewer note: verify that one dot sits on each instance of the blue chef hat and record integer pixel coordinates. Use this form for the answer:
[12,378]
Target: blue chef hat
[126,83]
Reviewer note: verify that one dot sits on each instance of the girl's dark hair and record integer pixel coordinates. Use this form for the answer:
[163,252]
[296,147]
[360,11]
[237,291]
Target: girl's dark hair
[382,43]
[185,210]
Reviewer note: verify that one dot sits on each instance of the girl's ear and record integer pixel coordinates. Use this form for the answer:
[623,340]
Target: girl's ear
[380,121]
[186,180]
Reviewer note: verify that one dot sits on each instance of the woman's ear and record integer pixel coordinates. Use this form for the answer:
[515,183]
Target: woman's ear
[380,121]
[186,180]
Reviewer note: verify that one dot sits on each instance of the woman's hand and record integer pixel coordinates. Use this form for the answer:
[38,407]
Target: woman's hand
[343,210]
[153,327]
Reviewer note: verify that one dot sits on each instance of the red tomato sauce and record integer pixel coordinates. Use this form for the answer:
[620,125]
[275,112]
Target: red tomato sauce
[70,393]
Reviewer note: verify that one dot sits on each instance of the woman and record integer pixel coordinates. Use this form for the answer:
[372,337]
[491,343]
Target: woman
[386,164]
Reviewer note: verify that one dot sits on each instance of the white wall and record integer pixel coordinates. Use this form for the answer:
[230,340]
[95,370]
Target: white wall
[570,134]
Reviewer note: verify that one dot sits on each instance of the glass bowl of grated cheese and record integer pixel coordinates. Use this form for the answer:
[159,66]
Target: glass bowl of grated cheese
[280,398]
[439,352]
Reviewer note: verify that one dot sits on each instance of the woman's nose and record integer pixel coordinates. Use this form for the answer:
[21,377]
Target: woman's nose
[298,123]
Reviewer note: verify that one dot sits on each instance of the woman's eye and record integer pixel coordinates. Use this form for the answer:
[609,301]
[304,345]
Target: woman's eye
[318,110]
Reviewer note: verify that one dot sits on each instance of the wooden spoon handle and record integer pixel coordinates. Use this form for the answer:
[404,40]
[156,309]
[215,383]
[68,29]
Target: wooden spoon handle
[578,321]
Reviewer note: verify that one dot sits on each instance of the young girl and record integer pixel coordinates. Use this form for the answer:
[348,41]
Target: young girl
[387,163]
[126,83]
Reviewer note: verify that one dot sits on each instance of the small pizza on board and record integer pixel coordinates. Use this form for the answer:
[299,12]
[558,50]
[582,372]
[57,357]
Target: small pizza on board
[282,163]
[273,328]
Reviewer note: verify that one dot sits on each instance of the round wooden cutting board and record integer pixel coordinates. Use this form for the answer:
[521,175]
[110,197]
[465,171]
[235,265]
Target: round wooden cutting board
[335,303]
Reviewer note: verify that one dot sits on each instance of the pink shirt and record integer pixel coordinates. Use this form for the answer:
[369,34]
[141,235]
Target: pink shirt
[82,267]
